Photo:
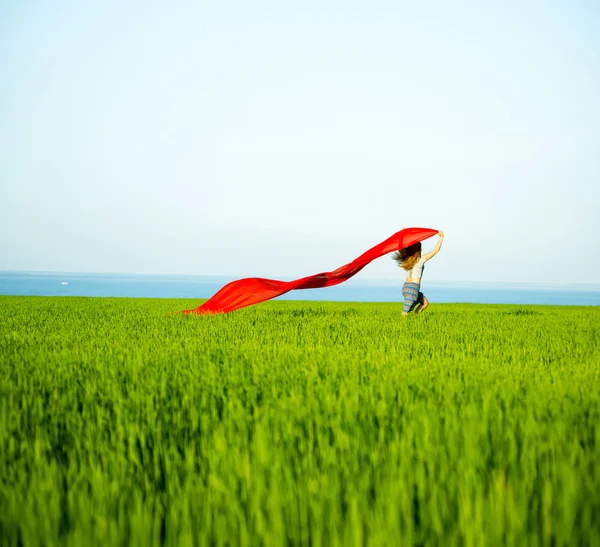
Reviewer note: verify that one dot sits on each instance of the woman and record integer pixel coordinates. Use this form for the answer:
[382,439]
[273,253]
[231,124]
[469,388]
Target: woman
[410,259]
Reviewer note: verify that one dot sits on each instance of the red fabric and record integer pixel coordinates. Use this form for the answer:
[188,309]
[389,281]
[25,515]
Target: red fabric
[252,290]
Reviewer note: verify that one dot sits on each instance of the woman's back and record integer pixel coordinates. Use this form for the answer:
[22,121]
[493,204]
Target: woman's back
[417,270]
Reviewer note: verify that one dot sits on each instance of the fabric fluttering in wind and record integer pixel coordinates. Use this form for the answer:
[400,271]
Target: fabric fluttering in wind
[253,290]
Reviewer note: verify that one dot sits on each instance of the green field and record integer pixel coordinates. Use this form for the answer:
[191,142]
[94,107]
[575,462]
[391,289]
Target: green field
[294,423]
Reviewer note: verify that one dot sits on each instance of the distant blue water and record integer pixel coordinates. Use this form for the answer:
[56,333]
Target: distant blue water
[354,290]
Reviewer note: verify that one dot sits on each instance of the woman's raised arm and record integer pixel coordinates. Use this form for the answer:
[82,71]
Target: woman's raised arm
[436,249]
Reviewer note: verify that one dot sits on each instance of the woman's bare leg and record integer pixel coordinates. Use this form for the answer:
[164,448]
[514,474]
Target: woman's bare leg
[423,306]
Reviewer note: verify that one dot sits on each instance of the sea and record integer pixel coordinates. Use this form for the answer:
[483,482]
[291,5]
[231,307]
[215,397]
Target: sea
[353,290]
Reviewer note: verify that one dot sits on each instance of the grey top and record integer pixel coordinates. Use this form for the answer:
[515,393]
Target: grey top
[417,270]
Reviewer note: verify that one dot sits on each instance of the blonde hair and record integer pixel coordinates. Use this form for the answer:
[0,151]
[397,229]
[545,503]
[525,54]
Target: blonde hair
[408,257]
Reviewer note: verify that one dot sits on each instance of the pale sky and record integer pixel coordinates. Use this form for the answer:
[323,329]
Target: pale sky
[252,139]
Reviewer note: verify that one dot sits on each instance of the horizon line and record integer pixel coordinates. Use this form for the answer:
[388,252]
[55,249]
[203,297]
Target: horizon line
[357,280]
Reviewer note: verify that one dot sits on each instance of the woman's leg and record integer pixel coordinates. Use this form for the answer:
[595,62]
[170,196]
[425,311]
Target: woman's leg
[424,304]
[410,293]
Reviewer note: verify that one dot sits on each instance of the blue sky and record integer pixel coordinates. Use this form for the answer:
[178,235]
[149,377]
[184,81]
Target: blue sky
[247,139]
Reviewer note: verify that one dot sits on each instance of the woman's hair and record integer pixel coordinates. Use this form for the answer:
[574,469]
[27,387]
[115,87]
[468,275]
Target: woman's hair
[408,257]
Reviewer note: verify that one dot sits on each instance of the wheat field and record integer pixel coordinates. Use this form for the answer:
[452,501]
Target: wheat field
[296,423]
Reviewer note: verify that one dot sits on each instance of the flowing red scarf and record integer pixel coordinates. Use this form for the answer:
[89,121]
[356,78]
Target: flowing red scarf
[252,290]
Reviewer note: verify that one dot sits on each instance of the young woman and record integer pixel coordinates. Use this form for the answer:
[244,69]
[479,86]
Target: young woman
[410,259]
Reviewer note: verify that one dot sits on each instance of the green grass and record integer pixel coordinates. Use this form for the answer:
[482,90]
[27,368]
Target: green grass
[294,423]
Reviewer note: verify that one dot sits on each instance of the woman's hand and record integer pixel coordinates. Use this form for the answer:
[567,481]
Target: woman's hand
[441,234]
